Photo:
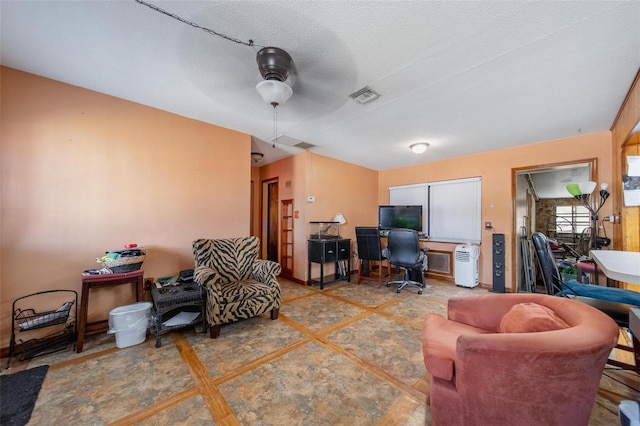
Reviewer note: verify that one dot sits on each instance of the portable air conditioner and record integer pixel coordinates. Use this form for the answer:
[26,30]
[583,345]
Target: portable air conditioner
[467,265]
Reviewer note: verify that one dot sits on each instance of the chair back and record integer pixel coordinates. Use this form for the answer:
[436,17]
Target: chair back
[368,243]
[232,258]
[404,248]
[546,261]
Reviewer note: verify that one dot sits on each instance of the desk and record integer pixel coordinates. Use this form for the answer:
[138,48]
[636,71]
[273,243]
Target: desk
[103,280]
[622,266]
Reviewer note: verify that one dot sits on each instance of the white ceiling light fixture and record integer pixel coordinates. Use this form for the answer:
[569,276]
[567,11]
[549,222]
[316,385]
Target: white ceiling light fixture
[256,156]
[419,148]
[275,65]
[274,92]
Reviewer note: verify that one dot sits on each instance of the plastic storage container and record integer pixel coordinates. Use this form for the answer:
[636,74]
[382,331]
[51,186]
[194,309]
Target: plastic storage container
[130,323]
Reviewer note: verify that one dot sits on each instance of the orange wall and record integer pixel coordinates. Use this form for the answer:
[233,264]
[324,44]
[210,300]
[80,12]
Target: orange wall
[83,173]
[495,169]
[337,186]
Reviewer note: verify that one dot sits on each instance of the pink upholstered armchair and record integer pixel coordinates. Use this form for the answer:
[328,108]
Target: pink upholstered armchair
[515,359]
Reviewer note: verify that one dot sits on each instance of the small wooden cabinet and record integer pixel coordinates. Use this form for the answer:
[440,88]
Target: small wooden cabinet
[337,251]
[286,239]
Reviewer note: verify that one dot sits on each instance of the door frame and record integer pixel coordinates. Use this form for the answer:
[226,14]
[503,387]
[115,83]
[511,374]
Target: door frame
[518,219]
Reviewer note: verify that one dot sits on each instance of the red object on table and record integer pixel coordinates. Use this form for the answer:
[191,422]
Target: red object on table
[130,245]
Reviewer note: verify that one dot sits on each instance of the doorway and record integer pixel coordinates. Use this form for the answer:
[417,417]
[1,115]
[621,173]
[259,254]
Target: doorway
[538,192]
[270,219]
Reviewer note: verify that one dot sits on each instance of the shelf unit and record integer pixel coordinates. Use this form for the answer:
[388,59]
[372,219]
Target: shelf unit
[43,331]
[286,240]
[336,251]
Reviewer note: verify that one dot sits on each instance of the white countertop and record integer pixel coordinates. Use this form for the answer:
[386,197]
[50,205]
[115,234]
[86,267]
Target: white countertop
[623,266]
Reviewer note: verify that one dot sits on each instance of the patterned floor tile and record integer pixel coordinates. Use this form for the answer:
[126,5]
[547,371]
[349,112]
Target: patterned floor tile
[391,346]
[241,342]
[319,311]
[292,290]
[102,390]
[192,412]
[415,307]
[366,293]
[328,390]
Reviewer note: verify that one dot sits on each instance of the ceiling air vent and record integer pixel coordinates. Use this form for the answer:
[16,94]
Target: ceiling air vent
[364,95]
[304,145]
[289,141]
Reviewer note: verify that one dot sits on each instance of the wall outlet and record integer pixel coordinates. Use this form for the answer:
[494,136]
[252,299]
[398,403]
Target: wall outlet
[311,199]
[148,283]
[488,226]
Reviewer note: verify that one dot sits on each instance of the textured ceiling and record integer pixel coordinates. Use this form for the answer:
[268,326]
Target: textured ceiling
[466,77]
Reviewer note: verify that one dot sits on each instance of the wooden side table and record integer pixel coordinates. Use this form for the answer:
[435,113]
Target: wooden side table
[97,281]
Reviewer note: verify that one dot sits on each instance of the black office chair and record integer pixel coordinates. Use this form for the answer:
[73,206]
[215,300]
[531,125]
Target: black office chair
[404,251]
[615,302]
[370,253]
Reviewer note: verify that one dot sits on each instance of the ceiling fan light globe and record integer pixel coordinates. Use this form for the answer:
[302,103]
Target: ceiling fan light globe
[274,92]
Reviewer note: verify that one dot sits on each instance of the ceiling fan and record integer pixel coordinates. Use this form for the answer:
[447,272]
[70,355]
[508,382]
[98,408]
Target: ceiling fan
[275,66]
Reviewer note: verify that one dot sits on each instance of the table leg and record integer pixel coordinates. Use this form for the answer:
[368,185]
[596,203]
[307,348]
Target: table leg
[82,320]
[158,325]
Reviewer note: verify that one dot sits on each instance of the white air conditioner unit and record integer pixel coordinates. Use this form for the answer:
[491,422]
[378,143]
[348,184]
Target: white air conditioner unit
[467,265]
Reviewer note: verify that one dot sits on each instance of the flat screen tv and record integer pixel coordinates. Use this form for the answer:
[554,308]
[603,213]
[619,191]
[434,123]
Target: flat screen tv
[409,217]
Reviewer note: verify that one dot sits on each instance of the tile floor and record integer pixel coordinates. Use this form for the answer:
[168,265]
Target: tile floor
[349,354]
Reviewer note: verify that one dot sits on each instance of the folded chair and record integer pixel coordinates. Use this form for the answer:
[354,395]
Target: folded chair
[615,302]
[370,251]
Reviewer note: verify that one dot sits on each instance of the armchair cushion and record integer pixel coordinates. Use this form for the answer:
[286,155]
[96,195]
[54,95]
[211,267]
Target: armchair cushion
[243,290]
[530,317]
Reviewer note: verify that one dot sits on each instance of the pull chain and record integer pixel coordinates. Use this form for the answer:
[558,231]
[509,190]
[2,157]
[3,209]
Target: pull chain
[275,125]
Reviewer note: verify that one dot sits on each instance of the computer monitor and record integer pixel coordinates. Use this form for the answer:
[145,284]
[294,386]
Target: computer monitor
[408,217]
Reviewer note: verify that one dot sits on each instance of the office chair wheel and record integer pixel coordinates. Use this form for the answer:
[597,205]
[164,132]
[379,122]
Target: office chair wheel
[398,291]
[388,284]
[419,291]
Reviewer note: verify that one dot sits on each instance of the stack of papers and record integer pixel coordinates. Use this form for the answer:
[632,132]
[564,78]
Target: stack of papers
[183,318]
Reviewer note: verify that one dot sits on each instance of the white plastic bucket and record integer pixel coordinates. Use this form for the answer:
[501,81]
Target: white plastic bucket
[130,323]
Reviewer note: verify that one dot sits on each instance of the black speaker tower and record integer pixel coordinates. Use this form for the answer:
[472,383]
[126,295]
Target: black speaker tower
[498,263]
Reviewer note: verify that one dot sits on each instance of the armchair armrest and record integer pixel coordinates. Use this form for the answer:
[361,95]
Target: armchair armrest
[265,270]
[206,277]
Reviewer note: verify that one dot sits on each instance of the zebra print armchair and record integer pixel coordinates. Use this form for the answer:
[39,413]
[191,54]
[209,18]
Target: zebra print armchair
[238,285]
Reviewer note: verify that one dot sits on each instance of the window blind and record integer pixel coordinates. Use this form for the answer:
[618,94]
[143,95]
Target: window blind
[451,209]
